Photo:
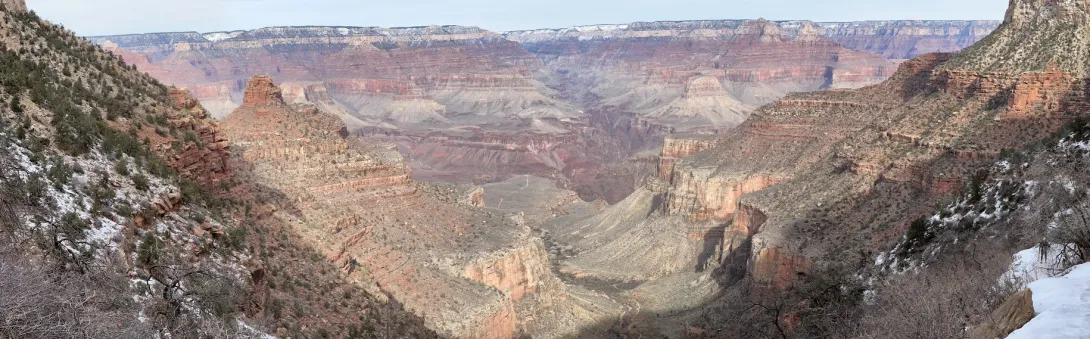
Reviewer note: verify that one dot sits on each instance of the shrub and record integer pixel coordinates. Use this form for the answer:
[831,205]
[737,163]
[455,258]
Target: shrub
[60,173]
[124,210]
[918,234]
[149,252]
[122,166]
[236,238]
[217,297]
[16,105]
[140,181]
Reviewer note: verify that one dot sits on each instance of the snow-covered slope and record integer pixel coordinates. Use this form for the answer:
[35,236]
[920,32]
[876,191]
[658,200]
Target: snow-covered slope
[1062,305]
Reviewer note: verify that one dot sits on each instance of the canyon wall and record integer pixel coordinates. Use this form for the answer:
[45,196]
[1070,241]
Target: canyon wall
[468,272]
[693,74]
[894,39]
[368,68]
[907,39]
[469,105]
[850,163]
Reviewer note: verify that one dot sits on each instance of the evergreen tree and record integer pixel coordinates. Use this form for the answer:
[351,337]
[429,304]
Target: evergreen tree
[16,105]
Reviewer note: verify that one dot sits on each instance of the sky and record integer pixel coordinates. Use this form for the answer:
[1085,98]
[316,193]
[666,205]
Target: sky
[105,17]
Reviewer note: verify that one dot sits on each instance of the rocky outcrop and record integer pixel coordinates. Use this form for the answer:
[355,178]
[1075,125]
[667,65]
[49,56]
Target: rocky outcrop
[1022,13]
[680,146]
[1052,29]
[1014,313]
[711,198]
[14,5]
[475,197]
[516,272]
[261,94]
[204,159]
[774,269]
[1023,95]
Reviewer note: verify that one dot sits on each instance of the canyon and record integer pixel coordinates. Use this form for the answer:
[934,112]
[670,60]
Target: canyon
[469,272]
[631,176]
[681,179]
[578,105]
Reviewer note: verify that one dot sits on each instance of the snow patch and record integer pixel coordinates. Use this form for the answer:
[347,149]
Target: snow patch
[221,36]
[1034,264]
[1062,305]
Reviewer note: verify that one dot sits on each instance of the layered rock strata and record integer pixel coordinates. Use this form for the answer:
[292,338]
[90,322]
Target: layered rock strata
[465,272]
[468,105]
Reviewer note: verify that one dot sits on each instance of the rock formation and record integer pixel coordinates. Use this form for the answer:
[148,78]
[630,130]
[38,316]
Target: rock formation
[466,271]
[667,73]
[469,105]
[14,5]
[897,39]
[156,214]
[206,159]
[816,178]
[1054,30]
[1010,316]
[262,95]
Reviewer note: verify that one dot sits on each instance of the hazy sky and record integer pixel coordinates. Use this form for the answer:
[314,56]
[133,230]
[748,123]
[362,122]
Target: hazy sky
[99,17]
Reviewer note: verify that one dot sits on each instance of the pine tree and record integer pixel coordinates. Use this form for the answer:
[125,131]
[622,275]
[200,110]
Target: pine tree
[16,106]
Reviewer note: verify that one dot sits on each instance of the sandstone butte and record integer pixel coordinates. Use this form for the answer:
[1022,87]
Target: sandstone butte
[578,105]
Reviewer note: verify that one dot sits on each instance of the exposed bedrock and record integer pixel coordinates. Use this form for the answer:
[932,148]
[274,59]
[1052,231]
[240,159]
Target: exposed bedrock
[15,5]
[679,146]
[207,161]
[894,39]
[621,88]
[701,197]
[515,272]
[468,272]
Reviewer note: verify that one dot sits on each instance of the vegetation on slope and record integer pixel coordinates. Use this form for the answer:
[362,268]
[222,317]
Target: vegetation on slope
[100,237]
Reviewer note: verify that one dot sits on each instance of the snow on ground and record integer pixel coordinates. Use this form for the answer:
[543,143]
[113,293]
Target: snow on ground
[221,36]
[1029,265]
[1062,305]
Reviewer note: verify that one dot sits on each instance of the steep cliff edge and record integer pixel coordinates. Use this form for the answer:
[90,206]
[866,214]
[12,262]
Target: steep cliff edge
[907,39]
[857,166]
